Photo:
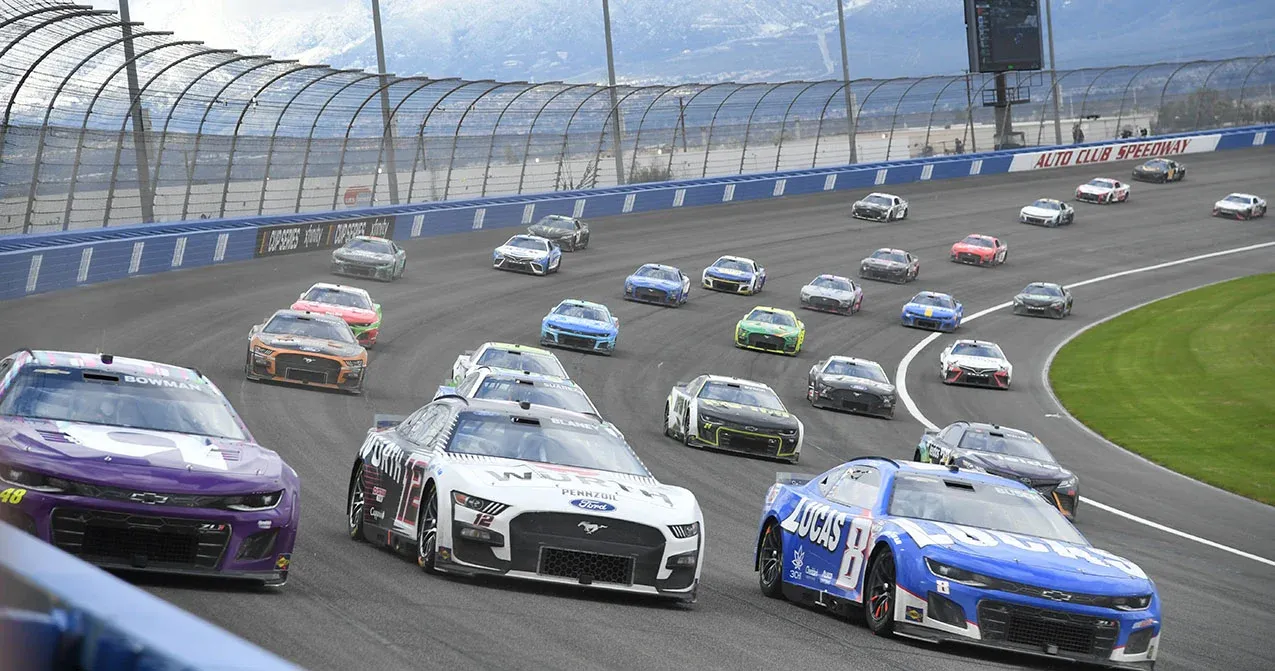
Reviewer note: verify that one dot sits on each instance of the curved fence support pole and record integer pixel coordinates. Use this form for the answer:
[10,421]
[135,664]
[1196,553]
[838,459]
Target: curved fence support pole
[566,136]
[1124,95]
[1058,81]
[531,132]
[783,125]
[823,113]
[858,122]
[1165,89]
[386,132]
[708,146]
[1199,106]
[616,114]
[894,118]
[495,129]
[451,161]
[681,121]
[349,128]
[748,129]
[420,136]
[929,125]
[309,140]
[637,138]
[1244,84]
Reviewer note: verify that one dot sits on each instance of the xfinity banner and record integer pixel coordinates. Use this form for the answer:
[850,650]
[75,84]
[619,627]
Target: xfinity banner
[288,238]
[1125,151]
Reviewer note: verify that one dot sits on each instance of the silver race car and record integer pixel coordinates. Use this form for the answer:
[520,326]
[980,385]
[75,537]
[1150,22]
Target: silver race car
[832,293]
[880,207]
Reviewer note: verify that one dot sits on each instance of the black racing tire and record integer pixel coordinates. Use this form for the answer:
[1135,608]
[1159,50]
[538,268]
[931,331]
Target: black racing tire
[247,366]
[354,505]
[770,561]
[427,530]
[686,428]
[879,590]
[916,454]
[668,431]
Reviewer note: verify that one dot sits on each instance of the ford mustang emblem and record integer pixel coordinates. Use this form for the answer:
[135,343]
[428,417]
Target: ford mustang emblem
[308,359]
[590,528]
[1056,595]
[750,428]
[1026,481]
[148,498]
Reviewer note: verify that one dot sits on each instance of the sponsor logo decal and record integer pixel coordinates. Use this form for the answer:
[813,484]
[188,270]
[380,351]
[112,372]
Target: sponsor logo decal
[587,480]
[817,522]
[591,528]
[798,559]
[156,382]
[263,524]
[289,238]
[914,614]
[283,562]
[826,577]
[377,514]
[812,572]
[588,494]
[591,504]
[943,587]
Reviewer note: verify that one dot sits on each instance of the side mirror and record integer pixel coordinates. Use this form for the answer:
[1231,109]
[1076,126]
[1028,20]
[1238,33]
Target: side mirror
[254,330]
[301,297]
[615,320]
[376,306]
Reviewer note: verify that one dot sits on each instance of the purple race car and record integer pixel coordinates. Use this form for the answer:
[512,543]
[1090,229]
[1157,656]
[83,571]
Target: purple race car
[135,465]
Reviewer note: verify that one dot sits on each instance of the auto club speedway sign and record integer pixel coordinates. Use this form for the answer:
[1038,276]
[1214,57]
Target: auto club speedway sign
[1125,151]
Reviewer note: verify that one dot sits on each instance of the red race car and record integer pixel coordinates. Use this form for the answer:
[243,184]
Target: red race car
[351,304]
[980,250]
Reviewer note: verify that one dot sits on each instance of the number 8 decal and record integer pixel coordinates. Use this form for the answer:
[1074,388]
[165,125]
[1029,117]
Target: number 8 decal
[853,557]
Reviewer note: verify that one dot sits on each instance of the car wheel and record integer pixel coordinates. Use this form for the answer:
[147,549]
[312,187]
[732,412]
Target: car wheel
[905,213]
[916,454]
[247,367]
[771,562]
[355,505]
[879,591]
[668,431]
[686,428]
[427,531]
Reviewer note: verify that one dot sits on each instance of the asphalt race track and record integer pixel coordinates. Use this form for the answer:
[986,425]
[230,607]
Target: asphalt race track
[349,605]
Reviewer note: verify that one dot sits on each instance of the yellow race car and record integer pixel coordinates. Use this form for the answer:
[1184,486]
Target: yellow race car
[771,330]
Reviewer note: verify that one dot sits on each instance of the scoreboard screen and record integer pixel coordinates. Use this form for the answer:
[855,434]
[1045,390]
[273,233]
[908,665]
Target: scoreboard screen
[1003,35]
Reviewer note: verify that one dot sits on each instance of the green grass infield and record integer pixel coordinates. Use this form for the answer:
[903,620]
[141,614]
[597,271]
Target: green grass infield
[1187,382]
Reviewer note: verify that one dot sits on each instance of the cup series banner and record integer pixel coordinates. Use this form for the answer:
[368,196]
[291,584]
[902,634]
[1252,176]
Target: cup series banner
[1124,151]
[277,239]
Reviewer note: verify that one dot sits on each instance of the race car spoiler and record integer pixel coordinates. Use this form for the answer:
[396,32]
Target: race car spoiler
[794,478]
[384,422]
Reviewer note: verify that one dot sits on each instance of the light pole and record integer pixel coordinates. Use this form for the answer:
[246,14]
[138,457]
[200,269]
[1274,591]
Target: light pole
[139,123]
[387,132]
[616,130]
[845,76]
[1053,71]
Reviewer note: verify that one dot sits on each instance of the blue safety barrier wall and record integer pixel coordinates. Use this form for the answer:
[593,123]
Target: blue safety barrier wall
[57,612]
[31,264]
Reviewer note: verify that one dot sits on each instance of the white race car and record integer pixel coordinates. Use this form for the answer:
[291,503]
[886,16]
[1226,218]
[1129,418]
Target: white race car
[975,362]
[1240,206]
[1047,212]
[505,356]
[1103,190]
[496,488]
[528,254]
[880,207]
[734,274]
[832,293]
[733,415]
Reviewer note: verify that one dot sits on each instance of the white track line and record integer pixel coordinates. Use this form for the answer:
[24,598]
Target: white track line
[901,384]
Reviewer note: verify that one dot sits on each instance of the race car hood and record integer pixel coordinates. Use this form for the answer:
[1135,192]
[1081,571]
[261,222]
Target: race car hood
[1033,211]
[521,252]
[307,344]
[972,249]
[587,325]
[569,489]
[359,256]
[1230,205]
[766,327]
[1039,299]
[825,292]
[1149,169]
[550,233]
[351,315]
[929,310]
[1019,466]
[1059,565]
[856,383]
[976,361]
[140,459]
[1090,188]
[653,283]
[865,205]
[728,273]
[748,414]
[882,263]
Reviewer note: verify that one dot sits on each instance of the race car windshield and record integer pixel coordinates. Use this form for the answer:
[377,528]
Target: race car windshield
[1101,183]
[768,317]
[556,224]
[733,264]
[878,200]
[308,327]
[546,440]
[1046,205]
[1043,290]
[582,312]
[528,243]
[539,393]
[981,505]
[532,362]
[1237,199]
[1012,445]
[969,349]
[1158,163]
[346,299]
[373,246]
[656,273]
[855,370]
[885,255]
[976,241]
[931,299]
[757,397]
[834,283]
[110,399]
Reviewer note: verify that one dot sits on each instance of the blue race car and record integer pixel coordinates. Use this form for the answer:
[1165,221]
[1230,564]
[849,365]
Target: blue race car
[734,274]
[934,311]
[659,284]
[948,555]
[528,254]
[581,325]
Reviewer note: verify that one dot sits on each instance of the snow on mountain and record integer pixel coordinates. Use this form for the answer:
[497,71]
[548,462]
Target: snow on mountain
[701,40]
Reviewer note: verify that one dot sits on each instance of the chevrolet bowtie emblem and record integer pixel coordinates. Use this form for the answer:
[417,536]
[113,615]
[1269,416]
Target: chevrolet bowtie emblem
[148,498]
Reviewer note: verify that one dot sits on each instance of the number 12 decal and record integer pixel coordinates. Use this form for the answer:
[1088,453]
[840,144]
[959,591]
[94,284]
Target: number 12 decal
[852,559]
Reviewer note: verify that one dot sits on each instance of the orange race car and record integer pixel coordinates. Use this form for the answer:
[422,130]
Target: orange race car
[980,250]
[306,348]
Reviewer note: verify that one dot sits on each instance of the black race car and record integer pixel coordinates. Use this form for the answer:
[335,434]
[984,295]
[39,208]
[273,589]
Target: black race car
[1008,453]
[570,233]
[1160,170]
[1043,299]
[891,265]
[850,384]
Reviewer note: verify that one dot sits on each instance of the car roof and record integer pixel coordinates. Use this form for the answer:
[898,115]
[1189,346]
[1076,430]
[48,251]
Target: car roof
[487,373]
[830,276]
[1245,195]
[736,380]
[583,303]
[879,193]
[765,308]
[303,314]
[1048,200]
[974,341]
[987,427]
[338,287]
[935,294]
[661,266]
[854,360]
[368,238]
[1048,284]
[118,364]
[525,236]
[728,257]
[1105,179]
[511,347]
[982,236]
[515,409]
[950,471]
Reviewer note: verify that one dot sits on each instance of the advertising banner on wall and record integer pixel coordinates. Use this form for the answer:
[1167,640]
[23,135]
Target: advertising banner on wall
[277,239]
[1125,151]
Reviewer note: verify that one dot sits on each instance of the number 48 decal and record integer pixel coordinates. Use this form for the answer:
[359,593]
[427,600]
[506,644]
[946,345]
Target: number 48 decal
[12,496]
[855,554]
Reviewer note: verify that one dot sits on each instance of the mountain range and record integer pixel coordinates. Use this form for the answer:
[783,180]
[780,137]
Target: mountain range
[666,41]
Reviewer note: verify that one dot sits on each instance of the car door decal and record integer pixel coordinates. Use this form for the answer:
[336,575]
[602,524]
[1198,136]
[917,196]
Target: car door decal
[854,557]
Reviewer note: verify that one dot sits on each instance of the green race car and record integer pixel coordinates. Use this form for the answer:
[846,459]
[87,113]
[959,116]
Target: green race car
[771,330]
[351,304]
